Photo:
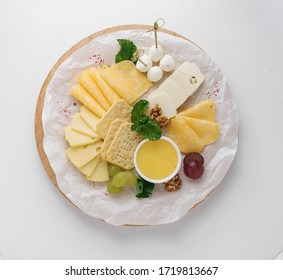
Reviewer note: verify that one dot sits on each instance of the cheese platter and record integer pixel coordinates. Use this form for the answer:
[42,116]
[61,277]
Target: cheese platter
[126,144]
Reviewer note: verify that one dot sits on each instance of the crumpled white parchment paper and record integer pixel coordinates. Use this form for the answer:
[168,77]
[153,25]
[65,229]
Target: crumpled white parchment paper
[162,207]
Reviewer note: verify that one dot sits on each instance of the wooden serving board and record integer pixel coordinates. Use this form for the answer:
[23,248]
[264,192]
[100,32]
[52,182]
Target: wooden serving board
[39,134]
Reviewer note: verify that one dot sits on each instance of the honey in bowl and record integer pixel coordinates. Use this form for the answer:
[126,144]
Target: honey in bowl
[157,161]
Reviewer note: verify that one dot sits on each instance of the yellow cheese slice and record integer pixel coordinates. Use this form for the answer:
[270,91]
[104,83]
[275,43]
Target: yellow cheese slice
[88,168]
[120,109]
[80,125]
[89,84]
[126,80]
[203,110]
[183,135]
[76,138]
[89,117]
[82,95]
[110,94]
[81,155]
[114,126]
[206,130]
[100,173]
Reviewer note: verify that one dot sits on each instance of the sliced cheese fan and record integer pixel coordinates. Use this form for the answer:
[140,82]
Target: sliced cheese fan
[81,155]
[76,138]
[81,126]
[89,84]
[184,136]
[203,110]
[126,80]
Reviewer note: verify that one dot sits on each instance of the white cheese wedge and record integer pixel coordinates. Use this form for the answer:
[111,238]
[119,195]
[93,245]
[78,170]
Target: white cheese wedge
[76,138]
[80,125]
[175,91]
[185,80]
[81,155]
[164,100]
[89,117]
[189,77]
[100,173]
[88,168]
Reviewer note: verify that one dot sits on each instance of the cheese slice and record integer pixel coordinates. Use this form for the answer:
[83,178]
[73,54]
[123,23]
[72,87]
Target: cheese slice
[76,138]
[81,155]
[184,136]
[89,117]
[164,100]
[88,168]
[110,94]
[100,173]
[80,125]
[185,80]
[89,84]
[174,90]
[203,110]
[189,77]
[206,130]
[83,96]
[126,80]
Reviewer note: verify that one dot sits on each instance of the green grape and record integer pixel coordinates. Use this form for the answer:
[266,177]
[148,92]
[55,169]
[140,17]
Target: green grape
[132,179]
[113,189]
[113,170]
[120,179]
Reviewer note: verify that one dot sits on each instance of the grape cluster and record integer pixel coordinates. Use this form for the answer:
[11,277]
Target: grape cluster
[193,165]
[120,178]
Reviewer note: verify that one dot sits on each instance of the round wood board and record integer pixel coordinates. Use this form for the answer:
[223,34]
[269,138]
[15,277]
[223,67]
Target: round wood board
[39,134]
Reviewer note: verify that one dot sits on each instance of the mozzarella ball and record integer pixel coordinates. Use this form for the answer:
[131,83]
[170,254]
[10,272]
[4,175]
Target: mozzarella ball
[155,74]
[155,53]
[167,63]
[144,63]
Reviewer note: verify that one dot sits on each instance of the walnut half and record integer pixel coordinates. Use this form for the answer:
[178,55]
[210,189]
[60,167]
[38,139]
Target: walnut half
[174,184]
[156,115]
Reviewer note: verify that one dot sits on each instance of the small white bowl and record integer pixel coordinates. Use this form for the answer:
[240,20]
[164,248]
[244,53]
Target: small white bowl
[176,170]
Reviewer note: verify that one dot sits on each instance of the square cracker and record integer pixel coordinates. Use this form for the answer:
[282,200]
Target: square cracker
[120,109]
[122,149]
[114,127]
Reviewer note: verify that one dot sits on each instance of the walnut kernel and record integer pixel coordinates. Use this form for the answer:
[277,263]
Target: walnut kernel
[174,184]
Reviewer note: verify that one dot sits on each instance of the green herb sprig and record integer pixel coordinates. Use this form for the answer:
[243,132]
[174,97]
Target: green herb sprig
[144,189]
[127,51]
[142,123]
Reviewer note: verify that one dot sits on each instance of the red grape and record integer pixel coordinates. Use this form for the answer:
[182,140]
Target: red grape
[195,157]
[193,170]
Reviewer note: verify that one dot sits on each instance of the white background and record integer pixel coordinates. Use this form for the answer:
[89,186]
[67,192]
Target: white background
[241,219]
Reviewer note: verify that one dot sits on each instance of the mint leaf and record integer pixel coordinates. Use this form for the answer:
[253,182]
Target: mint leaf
[149,129]
[139,110]
[127,51]
[144,189]
[142,123]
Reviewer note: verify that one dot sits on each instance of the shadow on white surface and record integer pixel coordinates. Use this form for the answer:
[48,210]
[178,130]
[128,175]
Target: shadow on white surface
[279,257]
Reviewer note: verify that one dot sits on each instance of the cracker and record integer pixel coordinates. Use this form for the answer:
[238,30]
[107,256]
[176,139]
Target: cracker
[122,149]
[120,109]
[114,127]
